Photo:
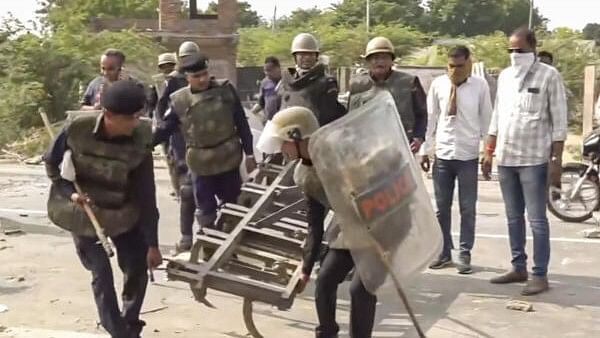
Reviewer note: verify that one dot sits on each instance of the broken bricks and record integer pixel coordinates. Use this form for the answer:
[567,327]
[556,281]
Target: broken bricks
[519,305]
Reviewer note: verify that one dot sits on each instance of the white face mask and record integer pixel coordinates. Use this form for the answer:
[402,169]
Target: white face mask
[522,61]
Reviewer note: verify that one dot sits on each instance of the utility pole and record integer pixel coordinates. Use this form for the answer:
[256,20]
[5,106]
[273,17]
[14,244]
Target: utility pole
[530,14]
[368,15]
[274,25]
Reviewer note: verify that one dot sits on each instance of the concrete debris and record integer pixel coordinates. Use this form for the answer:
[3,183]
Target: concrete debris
[519,305]
[591,233]
[3,308]
[34,160]
[20,279]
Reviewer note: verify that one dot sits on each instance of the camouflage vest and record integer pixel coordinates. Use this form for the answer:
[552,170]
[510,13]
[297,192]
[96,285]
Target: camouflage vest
[159,81]
[208,126]
[307,91]
[103,172]
[399,84]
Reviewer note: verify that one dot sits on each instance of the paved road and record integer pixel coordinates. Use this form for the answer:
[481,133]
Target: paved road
[54,299]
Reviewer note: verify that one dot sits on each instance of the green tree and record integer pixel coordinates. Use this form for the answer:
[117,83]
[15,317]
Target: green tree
[45,70]
[342,44]
[478,17]
[57,13]
[571,54]
[591,31]
[299,18]
[247,16]
[353,12]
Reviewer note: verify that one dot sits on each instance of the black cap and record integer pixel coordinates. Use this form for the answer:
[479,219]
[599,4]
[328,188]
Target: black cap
[124,97]
[194,63]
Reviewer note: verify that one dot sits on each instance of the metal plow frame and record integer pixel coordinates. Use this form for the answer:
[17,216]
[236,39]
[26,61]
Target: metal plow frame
[271,231]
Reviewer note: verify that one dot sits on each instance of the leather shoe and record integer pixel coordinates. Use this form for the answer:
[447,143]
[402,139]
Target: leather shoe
[535,285]
[510,277]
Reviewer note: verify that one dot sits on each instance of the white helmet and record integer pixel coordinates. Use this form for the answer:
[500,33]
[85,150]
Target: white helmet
[166,58]
[290,124]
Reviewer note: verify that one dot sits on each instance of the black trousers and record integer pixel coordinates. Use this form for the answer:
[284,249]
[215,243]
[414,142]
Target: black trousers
[187,207]
[334,269]
[131,256]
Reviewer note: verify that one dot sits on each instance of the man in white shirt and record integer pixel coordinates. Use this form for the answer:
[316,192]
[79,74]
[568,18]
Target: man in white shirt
[459,115]
[527,132]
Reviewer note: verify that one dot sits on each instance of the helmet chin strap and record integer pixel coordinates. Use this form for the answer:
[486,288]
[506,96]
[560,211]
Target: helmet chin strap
[303,160]
[296,135]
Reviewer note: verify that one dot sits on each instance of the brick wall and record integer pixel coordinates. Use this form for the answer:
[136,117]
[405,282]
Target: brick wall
[169,15]
[216,36]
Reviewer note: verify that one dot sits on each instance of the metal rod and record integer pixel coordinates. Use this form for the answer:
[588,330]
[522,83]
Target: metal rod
[385,259]
[530,14]
[249,319]
[274,25]
[368,15]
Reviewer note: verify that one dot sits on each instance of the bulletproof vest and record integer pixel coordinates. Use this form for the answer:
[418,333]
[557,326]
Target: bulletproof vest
[308,91]
[159,81]
[103,171]
[399,84]
[306,178]
[208,126]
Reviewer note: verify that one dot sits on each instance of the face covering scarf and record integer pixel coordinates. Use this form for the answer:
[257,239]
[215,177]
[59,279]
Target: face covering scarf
[458,76]
[521,62]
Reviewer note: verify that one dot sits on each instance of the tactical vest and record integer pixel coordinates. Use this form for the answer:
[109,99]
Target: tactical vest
[160,84]
[306,178]
[399,84]
[103,172]
[308,91]
[207,123]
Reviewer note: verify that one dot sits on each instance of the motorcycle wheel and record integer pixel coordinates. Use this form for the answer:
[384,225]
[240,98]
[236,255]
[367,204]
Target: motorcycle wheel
[580,208]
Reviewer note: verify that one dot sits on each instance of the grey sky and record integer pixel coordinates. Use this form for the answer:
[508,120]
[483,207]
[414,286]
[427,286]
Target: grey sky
[568,13]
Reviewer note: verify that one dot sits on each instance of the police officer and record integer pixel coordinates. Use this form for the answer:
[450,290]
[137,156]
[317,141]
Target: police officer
[177,78]
[308,85]
[411,100]
[212,120]
[174,147]
[166,66]
[289,132]
[112,158]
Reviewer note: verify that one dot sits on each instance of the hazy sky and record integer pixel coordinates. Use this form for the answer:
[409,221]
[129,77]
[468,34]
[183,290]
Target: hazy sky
[569,13]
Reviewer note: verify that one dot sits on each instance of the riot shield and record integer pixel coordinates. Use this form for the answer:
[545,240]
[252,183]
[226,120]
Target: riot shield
[376,190]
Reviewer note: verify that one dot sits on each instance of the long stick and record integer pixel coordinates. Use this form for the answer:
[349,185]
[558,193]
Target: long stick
[385,259]
[46,123]
[88,210]
[99,231]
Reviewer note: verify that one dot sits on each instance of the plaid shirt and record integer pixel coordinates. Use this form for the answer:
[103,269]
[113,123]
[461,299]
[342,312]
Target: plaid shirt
[530,113]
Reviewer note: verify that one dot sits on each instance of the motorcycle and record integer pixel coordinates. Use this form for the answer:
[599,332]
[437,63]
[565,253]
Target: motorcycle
[579,194]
